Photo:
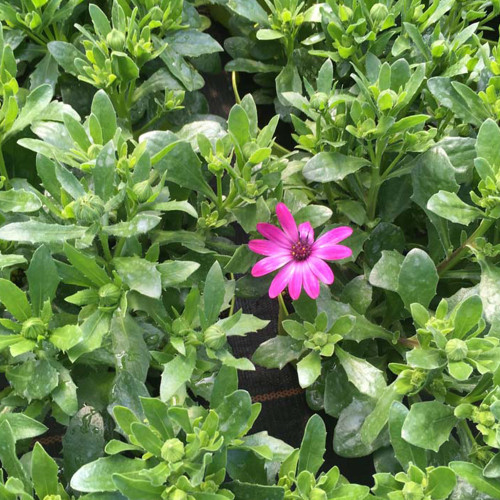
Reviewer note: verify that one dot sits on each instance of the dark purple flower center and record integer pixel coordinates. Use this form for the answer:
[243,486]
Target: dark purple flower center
[301,250]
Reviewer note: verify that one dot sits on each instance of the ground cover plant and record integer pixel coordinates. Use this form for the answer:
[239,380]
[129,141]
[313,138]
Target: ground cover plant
[355,181]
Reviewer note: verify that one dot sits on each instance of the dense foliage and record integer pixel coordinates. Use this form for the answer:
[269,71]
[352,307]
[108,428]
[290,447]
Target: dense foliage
[122,203]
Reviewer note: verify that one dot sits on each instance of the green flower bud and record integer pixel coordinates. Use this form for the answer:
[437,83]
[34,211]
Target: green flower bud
[439,48]
[386,100]
[320,339]
[485,418]
[52,497]
[116,39]
[109,295]
[319,101]
[172,450]
[214,337]
[93,151]
[413,491]
[33,328]
[456,350]
[345,13]
[88,208]
[464,411]
[379,12]
[143,191]
[286,16]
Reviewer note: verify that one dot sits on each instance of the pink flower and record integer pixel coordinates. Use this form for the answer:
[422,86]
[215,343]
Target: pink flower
[300,257]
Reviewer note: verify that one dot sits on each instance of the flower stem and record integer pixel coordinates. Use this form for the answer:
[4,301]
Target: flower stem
[461,251]
[3,170]
[233,300]
[234,82]
[282,314]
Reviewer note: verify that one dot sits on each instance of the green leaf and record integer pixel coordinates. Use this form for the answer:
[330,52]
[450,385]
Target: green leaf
[104,172]
[175,374]
[363,375]
[44,472]
[234,413]
[87,266]
[129,347]
[98,476]
[277,352]
[14,300]
[192,43]
[99,20]
[139,224]
[33,379]
[11,260]
[489,291]
[181,162]
[309,369]
[213,293]
[66,337]
[40,232]
[317,215]
[446,94]
[428,425]
[249,9]
[467,315]
[385,272]
[22,426]
[378,418]
[137,489]
[418,279]
[248,491]
[8,456]
[332,166]
[226,382]
[313,446]
[19,201]
[156,413]
[238,125]
[404,451]
[139,275]
[36,102]
[176,272]
[247,323]
[486,144]
[451,207]
[124,67]
[474,475]
[42,278]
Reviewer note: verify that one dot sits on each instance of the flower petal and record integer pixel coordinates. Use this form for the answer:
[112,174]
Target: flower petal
[333,236]
[280,281]
[274,233]
[310,282]
[332,252]
[266,247]
[287,221]
[295,283]
[321,270]
[306,232]
[269,264]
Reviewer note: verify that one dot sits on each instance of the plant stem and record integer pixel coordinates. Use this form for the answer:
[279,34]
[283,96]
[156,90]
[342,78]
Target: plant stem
[3,170]
[282,314]
[219,191]
[237,97]
[453,259]
[233,300]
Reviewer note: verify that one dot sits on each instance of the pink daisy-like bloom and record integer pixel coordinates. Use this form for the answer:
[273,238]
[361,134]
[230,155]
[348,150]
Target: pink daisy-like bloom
[301,259]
